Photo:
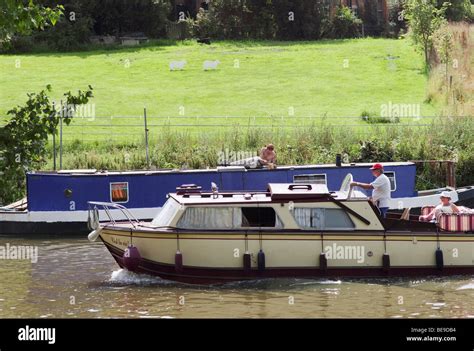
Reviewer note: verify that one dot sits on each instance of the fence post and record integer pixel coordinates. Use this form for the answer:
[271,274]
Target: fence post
[451,178]
[61,136]
[146,139]
[54,138]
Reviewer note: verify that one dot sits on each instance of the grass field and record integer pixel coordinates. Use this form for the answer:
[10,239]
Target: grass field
[305,97]
[287,80]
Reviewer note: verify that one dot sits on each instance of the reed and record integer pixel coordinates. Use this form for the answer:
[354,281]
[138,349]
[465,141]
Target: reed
[441,138]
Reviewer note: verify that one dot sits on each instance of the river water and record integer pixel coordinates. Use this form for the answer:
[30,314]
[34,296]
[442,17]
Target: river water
[76,278]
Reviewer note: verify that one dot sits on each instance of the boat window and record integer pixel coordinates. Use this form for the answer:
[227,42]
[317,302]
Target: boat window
[393,181]
[258,217]
[322,218]
[310,178]
[210,218]
[119,192]
[228,218]
[166,214]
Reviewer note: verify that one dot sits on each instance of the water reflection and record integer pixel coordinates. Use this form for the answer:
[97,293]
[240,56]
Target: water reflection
[74,278]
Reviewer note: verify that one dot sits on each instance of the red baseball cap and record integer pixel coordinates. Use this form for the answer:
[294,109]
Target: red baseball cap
[377,166]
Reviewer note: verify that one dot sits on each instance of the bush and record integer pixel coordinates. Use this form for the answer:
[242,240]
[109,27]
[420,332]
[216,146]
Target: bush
[396,25]
[310,19]
[262,19]
[204,26]
[66,35]
[465,168]
[230,19]
[380,119]
[345,23]
[82,18]
[458,10]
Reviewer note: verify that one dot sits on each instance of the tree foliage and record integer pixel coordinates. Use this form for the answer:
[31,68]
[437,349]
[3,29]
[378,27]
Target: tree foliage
[23,139]
[443,42]
[424,19]
[345,23]
[24,16]
[458,10]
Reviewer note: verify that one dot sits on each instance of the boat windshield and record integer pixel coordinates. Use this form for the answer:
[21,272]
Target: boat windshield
[345,185]
[167,213]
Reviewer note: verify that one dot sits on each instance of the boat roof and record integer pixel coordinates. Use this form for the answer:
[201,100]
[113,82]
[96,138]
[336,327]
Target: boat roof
[282,191]
[89,172]
[276,192]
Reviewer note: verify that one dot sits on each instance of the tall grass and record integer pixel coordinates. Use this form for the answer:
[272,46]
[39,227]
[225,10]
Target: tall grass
[442,139]
[456,98]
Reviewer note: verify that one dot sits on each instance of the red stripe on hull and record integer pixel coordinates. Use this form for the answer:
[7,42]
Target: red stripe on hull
[195,275]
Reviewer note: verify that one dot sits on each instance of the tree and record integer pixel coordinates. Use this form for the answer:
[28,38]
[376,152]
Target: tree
[23,139]
[443,42]
[424,18]
[22,17]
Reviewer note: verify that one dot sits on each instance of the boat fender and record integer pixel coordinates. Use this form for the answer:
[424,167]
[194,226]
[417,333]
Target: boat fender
[93,235]
[261,260]
[131,258]
[247,262]
[323,261]
[386,262]
[439,258]
[178,261]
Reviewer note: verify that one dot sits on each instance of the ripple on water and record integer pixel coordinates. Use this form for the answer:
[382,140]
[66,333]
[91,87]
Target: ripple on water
[466,287]
[125,277]
[317,282]
[71,267]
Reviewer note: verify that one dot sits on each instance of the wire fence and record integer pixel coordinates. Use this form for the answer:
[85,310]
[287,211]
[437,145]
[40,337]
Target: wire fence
[134,126]
[127,127]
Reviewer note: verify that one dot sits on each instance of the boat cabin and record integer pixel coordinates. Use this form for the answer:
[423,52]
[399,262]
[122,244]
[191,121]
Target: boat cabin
[305,207]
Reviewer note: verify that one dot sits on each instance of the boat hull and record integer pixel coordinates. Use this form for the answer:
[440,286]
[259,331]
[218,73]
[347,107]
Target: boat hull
[209,260]
[13,228]
[60,223]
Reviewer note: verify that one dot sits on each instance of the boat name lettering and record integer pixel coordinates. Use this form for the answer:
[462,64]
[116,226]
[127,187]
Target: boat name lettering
[119,242]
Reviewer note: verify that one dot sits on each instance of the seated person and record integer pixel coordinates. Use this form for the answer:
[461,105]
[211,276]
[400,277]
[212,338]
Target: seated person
[446,206]
[268,156]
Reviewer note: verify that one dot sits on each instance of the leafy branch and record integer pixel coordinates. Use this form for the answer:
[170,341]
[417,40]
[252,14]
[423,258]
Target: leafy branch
[24,138]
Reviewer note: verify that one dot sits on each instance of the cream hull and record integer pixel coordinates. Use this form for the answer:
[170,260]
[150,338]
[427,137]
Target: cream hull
[218,256]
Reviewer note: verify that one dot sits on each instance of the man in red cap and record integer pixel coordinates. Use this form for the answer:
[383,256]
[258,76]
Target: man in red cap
[381,188]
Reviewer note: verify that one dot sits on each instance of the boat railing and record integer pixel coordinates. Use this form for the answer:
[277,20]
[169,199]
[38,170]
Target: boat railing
[108,206]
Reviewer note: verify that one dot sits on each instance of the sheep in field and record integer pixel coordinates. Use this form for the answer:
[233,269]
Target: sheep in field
[177,65]
[210,65]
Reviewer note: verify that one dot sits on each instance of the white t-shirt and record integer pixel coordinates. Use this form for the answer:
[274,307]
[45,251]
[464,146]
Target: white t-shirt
[444,209]
[381,192]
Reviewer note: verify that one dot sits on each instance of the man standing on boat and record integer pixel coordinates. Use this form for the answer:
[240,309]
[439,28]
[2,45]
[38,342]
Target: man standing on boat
[381,188]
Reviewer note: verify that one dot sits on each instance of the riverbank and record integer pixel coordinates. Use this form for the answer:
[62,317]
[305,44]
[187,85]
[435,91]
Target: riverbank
[441,138]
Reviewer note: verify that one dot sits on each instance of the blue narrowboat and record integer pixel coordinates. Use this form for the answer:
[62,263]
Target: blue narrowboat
[57,202]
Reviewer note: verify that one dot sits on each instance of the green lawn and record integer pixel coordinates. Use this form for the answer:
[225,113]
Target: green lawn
[337,78]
